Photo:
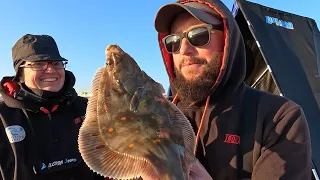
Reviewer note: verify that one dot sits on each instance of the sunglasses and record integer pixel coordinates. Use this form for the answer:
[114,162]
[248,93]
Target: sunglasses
[197,37]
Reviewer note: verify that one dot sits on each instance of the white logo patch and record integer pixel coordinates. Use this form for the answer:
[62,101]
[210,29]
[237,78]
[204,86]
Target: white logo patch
[15,133]
[58,163]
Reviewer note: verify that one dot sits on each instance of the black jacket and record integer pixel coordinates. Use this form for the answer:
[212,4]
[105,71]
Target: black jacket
[38,135]
[245,133]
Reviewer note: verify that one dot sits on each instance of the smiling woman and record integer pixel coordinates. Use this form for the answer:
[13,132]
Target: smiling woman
[40,115]
[43,75]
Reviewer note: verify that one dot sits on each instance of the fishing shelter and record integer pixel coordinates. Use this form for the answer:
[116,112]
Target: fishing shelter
[283,57]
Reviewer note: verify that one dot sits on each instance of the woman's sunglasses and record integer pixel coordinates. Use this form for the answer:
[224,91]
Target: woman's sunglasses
[197,37]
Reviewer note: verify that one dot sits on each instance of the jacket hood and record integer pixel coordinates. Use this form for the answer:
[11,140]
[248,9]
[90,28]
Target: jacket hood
[233,69]
[18,95]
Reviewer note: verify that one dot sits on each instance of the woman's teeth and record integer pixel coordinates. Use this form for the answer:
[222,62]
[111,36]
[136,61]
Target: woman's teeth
[49,79]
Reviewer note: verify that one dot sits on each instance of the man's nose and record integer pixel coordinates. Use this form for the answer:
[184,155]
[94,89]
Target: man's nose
[186,48]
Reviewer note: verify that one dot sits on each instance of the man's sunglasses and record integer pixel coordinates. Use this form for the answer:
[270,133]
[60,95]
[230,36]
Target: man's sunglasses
[197,37]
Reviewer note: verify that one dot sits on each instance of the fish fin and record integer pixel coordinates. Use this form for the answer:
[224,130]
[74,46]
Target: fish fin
[95,152]
[88,134]
[92,100]
[108,163]
[181,124]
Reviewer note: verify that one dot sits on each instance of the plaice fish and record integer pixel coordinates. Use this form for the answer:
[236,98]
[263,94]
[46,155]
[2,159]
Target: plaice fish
[131,130]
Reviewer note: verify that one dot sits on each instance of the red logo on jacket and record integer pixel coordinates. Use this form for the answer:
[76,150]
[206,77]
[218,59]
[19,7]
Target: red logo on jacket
[232,139]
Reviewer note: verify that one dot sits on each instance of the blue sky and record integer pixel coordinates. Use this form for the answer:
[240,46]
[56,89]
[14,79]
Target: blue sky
[83,29]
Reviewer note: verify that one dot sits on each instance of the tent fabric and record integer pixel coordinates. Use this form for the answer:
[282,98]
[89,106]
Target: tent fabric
[283,57]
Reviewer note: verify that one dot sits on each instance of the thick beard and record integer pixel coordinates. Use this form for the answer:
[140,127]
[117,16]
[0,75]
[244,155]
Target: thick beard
[196,90]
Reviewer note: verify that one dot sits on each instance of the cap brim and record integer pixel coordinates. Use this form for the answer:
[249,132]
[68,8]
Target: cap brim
[44,57]
[167,13]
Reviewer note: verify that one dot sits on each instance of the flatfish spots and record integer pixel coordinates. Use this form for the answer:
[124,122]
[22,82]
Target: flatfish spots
[131,130]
